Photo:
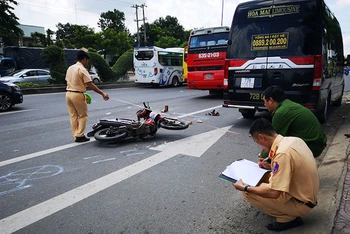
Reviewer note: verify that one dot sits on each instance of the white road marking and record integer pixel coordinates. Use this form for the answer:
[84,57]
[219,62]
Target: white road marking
[41,153]
[63,147]
[200,111]
[104,160]
[126,151]
[15,112]
[97,156]
[195,145]
[134,154]
[130,103]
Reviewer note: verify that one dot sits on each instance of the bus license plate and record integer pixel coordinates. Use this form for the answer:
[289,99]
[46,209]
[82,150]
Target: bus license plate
[144,75]
[208,76]
[247,82]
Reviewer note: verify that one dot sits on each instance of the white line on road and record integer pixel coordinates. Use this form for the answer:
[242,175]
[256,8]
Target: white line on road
[35,213]
[63,147]
[41,153]
[104,160]
[97,156]
[200,111]
[15,112]
[135,154]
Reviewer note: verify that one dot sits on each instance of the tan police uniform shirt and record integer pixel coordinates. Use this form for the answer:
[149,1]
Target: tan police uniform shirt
[77,76]
[294,169]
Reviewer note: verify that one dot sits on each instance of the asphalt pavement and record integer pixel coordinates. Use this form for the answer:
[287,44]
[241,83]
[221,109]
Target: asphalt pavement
[332,214]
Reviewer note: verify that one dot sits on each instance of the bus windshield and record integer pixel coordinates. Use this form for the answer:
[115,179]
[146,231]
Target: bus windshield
[283,35]
[217,39]
[144,55]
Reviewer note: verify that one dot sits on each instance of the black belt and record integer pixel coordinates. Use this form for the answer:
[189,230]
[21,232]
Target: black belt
[308,204]
[74,91]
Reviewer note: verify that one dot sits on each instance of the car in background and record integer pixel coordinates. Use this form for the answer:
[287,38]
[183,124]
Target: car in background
[94,77]
[35,76]
[10,95]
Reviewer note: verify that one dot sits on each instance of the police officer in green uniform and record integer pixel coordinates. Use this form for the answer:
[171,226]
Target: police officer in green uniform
[292,119]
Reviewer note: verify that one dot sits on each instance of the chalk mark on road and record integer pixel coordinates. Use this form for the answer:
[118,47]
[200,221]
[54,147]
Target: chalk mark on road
[18,180]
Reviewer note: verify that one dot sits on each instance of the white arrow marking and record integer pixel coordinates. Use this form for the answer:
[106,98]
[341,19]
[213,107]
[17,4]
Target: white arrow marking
[194,145]
[189,145]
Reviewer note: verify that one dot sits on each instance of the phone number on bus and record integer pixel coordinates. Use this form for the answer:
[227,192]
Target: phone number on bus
[209,55]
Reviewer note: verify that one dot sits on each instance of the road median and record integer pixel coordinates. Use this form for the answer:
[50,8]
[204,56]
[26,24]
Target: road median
[63,88]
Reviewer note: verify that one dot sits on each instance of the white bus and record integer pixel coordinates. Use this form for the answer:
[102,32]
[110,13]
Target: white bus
[158,66]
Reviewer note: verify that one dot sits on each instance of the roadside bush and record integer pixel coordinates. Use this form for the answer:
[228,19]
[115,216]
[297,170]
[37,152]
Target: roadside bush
[104,71]
[27,85]
[124,63]
[54,56]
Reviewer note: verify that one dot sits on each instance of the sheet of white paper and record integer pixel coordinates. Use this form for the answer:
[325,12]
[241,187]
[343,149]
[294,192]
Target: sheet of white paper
[248,171]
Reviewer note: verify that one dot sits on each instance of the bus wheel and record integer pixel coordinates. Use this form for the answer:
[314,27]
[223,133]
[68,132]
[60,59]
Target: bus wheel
[175,81]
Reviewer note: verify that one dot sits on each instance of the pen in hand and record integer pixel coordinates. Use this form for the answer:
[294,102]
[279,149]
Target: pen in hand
[267,159]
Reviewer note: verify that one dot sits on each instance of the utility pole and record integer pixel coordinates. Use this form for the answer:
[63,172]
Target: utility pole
[144,23]
[137,23]
[222,11]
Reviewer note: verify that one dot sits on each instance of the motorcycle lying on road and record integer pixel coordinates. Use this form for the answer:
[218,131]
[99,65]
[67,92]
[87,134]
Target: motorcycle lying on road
[113,130]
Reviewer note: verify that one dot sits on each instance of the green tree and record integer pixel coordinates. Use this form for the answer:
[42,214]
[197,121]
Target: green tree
[165,31]
[124,63]
[112,20]
[172,27]
[104,71]
[54,56]
[9,32]
[166,42]
[115,43]
[64,34]
[39,39]
[75,36]
[49,34]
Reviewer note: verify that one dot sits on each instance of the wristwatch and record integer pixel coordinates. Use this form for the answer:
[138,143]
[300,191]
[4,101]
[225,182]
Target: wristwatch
[246,188]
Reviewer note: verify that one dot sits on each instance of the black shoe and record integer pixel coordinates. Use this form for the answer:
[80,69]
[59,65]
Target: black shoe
[277,227]
[347,134]
[82,139]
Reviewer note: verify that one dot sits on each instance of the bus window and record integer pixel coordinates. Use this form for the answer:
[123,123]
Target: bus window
[144,55]
[202,43]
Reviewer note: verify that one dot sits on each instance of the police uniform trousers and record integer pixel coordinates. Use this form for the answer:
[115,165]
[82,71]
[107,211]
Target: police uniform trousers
[78,112]
[285,208]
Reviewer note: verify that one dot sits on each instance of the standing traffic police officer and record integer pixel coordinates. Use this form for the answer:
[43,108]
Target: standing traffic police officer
[77,78]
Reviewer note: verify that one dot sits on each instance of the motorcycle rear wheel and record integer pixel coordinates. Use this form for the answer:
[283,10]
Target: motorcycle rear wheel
[173,124]
[101,135]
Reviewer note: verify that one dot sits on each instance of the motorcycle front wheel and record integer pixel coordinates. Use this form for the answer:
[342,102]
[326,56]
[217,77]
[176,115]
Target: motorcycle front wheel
[104,135]
[173,124]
